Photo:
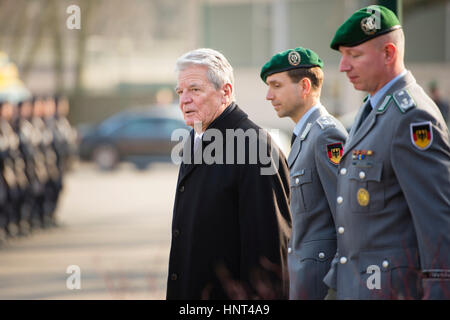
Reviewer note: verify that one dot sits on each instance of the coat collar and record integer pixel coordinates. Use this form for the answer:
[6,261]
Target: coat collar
[229,119]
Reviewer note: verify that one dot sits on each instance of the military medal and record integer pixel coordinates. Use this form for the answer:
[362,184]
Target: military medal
[361,154]
[421,134]
[335,151]
[363,197]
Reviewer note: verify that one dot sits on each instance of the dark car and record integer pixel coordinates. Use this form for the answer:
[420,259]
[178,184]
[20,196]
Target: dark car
[138,136]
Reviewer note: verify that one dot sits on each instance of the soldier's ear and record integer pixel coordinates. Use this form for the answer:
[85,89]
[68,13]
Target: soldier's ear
[305,87]
[390,53]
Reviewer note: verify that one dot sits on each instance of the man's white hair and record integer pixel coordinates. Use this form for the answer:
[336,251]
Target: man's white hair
[219,70]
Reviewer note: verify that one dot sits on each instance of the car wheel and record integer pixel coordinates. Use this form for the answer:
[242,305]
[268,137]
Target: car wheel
[141,165]
[106,157]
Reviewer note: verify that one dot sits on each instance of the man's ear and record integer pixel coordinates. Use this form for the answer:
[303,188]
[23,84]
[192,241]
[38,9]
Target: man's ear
[390,53]
[228,92]
[305,87]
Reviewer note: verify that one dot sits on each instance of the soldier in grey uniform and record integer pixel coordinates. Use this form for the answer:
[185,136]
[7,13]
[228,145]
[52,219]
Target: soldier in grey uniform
[393,192]
[294,78]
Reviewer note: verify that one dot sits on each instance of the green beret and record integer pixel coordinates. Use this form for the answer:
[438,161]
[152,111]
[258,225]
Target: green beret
[365,24]
[291,59]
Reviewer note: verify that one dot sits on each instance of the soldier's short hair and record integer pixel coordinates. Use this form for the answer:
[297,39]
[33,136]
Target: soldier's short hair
[314,74]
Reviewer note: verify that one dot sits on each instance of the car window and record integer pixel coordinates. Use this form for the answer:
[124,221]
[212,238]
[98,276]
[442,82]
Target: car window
[111,124]
[149,128]
[170,125]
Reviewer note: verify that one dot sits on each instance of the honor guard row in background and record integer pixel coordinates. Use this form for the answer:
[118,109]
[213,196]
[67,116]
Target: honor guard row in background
[36,146]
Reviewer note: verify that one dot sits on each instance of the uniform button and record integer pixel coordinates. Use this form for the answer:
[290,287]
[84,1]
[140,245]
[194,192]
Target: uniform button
[343,171]
[176,233]
[321,255]
[173,276]
[343,260]
[297,180]
[340,199]
[181,189]
[385,264]
[362,175]
[289,250]
[341,230]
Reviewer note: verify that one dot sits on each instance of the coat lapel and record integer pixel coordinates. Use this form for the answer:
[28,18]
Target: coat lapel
[356,135]
[297,146]
[362,131]
[187,165]
[229,121]
[357,119]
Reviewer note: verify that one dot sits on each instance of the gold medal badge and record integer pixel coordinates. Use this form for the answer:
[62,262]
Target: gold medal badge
[363,197]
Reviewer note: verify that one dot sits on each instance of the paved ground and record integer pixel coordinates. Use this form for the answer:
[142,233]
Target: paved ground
[115,227]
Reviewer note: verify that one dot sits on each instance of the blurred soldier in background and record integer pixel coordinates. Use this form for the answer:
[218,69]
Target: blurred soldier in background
[13,170]
[34,163]
[45,201]
[55,146]
[67,135]
[440,102]
[4,218]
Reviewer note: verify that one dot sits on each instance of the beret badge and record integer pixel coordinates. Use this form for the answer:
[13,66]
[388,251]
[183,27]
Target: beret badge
[368,25]
[289,60]
[294,58]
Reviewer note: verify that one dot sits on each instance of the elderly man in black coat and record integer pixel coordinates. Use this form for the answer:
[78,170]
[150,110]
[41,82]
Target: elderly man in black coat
[231,220]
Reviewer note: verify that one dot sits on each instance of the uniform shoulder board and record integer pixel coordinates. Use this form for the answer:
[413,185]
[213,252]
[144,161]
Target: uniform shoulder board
[403,100]
[326,121]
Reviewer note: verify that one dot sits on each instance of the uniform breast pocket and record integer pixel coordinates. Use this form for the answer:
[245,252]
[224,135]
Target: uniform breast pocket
[366,188]
[301,182]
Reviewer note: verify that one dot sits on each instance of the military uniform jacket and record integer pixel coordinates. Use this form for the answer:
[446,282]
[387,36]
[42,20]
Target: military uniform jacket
[230,227]
[393,203]
[313,164]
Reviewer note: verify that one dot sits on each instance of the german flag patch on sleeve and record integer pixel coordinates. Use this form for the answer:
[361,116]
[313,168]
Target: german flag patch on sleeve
[334,151]
[421,134]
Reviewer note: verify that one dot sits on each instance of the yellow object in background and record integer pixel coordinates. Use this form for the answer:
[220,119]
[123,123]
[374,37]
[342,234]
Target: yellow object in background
[12,89]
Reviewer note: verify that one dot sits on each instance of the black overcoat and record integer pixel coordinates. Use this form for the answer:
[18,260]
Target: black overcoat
[231,223]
